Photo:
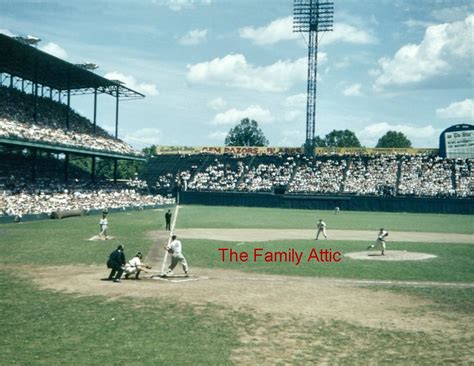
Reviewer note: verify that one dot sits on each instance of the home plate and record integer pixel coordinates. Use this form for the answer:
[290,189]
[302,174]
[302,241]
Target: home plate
[99,238]
[179,279]
[390,255]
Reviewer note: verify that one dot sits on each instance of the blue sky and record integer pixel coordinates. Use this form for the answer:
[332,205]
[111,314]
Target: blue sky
[205,64]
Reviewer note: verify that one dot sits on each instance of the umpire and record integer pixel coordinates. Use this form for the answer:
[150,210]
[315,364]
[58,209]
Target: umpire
[116,262]
[168,220]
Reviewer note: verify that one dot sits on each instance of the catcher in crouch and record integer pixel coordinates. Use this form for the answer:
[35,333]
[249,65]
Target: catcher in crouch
[380,241]
[135,266]
[175,249]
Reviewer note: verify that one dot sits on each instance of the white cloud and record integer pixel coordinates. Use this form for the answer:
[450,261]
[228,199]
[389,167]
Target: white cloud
[177,5]
[445,49]
[193,37]
[55,50]
[144,137]
[7,32]
[461,110]
[235,71]
[278,30]
[344,32]
[281,29]
[291,138]
[452,13]
[217,135]
[146,88]
[233,115]
[425,136]
[413,23]
[217,104]
[352,91]
[296,101]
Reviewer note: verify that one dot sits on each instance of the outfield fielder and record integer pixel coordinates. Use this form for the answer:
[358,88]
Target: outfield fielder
[175,249]
[380,241]
[321,229]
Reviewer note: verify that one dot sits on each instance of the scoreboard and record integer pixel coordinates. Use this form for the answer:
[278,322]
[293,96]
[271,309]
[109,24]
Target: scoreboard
[460,144]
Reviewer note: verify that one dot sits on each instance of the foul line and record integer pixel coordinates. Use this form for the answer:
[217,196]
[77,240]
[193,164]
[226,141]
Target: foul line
[169,238]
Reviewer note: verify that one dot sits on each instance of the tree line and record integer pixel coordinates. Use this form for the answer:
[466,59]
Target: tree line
[247,133]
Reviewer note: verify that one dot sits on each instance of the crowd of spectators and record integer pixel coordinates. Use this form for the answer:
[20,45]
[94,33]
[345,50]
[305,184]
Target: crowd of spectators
[48,197]
[217,177]
[17,122]
[265,177]
[381,175]
[316,176]
[371,176]
[426,176]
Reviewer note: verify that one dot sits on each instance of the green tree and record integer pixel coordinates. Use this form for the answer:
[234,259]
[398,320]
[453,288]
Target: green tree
[341,138]
[319,142]
[394,139]
[149,151]
[246,133]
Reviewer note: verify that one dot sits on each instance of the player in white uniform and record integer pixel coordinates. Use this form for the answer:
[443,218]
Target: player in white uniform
[380,241]
[176,250]
[135,266]
[104,225]
[321,229]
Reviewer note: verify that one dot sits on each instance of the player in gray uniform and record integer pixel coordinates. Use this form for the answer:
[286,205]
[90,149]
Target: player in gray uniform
[321,229]
[380,241]
[175,249]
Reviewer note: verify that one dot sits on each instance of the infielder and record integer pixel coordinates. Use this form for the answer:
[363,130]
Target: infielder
[175,249]
[135,266]
[380,241]
[104,225]
[321,229]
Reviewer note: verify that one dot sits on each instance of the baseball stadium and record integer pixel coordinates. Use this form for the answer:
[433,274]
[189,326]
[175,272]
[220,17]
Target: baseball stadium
[222,254]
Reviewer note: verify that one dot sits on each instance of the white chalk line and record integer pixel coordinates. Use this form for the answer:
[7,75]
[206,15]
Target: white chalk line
[180,281]
[351,281]
[169,238]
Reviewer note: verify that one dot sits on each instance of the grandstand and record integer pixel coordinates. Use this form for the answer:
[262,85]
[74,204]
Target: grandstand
[335,176]
[41,137]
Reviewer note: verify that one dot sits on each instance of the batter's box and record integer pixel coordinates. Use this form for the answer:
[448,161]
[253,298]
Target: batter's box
[179,279]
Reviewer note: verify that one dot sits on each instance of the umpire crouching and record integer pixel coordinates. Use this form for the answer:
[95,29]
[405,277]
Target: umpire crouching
[116,262]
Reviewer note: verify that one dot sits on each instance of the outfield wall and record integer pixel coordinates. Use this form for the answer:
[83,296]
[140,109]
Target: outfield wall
[345,203]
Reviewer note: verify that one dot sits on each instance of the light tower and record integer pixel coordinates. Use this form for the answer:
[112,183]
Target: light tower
[313,17]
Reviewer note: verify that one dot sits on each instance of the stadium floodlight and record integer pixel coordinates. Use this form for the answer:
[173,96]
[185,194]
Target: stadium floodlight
[312,17]
[87,66]
[28,40]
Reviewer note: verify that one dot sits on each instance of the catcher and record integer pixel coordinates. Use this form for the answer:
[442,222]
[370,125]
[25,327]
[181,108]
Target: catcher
[135,266]
[380,241]
[175,249]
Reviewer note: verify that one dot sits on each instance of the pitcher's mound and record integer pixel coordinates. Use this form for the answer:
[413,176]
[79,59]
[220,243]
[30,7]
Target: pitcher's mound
[98,238]
[390,255]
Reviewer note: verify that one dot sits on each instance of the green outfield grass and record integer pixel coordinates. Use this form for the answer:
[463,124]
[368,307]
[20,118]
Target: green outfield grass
[252,217]
[455,262]
[43,327]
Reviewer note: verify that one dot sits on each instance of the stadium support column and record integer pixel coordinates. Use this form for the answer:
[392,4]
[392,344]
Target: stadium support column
[35,100]
[93,169]
[11,81]
[95,123]
[116,130]
[34,153]
[66,167]
[68,98]
[95,108]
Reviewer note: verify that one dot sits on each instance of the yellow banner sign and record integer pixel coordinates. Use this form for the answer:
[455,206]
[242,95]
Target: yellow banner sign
[264,150]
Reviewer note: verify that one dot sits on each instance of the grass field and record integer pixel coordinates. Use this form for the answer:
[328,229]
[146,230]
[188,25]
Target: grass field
[224,320]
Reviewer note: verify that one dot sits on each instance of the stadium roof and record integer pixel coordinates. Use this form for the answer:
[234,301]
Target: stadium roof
[29,63]
[67,149]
